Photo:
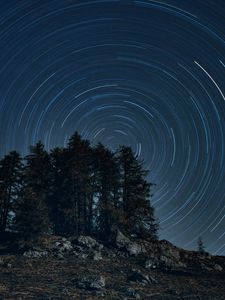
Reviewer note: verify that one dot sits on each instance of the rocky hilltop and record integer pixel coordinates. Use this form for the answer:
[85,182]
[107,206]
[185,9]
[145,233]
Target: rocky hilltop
[84,268]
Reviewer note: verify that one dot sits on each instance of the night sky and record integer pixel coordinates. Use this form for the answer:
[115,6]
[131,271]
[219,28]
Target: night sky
[150,74]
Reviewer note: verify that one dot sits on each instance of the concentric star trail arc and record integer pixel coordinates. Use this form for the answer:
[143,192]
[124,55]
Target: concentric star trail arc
[149,74]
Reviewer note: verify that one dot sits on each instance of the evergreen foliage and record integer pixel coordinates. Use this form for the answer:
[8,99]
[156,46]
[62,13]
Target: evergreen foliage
[77,189]
[31,215]
[201,246]
[106,190]
[10,182]
[138,213]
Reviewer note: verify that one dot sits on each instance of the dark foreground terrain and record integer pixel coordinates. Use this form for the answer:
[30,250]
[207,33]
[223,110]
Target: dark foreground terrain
[82,268]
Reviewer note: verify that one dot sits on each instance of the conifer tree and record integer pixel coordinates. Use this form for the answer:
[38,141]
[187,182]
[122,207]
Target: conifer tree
[38,170]
[58,204]
[107,185]
[138,213]
[38,176]
[79,182]
[31,215]
[201,246]
[81,189]
[10,184]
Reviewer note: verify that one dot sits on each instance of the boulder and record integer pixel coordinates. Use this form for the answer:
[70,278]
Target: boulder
[151,264]
[169,262]
[80,255]
[97,256]
[135,249]
[218,268]
[8,265]
[63,246]
[132,293]
[35,254]
[138,276]
[164,263]
[89,242]
[59,255]
[98,283]
[91,282]
[170,251]
[121,240]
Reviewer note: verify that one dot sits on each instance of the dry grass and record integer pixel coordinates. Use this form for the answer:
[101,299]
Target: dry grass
[51,278]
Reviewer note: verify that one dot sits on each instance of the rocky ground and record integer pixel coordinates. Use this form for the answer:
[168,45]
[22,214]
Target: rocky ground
[82,268]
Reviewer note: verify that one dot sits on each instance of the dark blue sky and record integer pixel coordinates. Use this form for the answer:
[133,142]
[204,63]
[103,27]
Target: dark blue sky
[150,74]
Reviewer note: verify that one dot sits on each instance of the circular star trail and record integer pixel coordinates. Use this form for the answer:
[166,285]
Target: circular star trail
[149,74]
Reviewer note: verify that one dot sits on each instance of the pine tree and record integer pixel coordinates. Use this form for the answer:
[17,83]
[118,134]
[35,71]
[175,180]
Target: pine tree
[10,184]
[201,246]
[139,216]
[38,174]
[106,187]
[81,189]
[31,215]
[38,171]
[79,182]
[59,203]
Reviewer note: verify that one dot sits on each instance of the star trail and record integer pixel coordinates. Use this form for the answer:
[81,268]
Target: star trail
[150,74]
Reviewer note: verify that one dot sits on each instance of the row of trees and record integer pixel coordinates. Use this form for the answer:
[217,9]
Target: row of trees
[74,190]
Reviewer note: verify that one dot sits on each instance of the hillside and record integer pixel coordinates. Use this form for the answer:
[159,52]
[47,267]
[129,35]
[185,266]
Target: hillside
[83,268]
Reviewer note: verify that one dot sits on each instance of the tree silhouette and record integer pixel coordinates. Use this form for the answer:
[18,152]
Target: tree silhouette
[77,189]
[107,184]
[138,213]
[10,184]
[79,182]
[31,215]
[57,201]
[201,246]
[38,176]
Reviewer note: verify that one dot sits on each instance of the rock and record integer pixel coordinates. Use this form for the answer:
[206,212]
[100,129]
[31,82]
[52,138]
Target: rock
[132,293]
[78,248]
[138,276]
[164,262]
[29,264]
[170,250]
[171,257]
[80,255]
[168,261]
[91,282]
[97,256]
[1,262]
[35,254]
[63,246]
[135,249]
[151,264]
[83,256]
[57,245]
[121,240]
[59,255]
[65,291]
[172,291]
[124,242]
[8,265]
[218,268]
[67,246]
[89,242]
[98,282]
[5,264]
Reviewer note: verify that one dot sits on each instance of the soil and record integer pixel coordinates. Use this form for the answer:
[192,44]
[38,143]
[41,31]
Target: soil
[53,278]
